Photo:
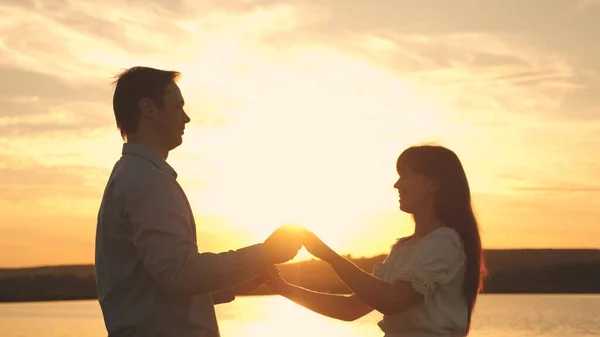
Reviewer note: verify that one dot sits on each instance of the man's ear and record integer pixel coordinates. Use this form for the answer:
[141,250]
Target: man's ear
[147,107]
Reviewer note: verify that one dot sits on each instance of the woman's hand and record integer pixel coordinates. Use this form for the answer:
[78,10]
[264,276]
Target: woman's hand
[317,248]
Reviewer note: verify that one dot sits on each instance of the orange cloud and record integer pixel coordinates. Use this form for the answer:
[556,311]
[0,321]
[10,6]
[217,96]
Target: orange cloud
[300,109]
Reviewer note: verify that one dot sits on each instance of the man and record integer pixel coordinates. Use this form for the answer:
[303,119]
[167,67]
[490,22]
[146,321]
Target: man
[152,281]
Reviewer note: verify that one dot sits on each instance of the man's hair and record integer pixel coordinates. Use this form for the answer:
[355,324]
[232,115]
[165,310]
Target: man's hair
[134,84]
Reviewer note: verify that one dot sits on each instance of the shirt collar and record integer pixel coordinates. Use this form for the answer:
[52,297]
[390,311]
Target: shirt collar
[151,155]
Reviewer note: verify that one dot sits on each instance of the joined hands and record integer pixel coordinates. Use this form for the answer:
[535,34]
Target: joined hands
[284,244]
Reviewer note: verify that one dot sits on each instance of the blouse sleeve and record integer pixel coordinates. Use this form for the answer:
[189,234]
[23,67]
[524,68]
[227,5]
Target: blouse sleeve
[436,261]
[378,270]
[381,268]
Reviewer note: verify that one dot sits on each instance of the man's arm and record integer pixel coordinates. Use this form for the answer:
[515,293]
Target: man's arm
[163,236]
[223,296]
[228,295]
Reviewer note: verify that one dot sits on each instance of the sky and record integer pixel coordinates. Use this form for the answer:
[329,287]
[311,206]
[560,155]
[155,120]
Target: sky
[299,111]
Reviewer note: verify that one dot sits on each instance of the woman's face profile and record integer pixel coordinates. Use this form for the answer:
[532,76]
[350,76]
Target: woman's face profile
[414,191]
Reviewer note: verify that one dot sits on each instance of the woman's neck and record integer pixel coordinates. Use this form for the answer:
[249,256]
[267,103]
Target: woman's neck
[425,223]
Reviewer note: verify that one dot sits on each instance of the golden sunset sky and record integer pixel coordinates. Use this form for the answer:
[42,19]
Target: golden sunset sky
[299,110]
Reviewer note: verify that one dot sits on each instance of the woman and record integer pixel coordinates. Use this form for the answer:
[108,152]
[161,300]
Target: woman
[428,284]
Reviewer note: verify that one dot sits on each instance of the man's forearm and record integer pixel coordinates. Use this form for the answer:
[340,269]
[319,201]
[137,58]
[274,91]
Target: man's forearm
[223,296]
[209,272]
[229,294]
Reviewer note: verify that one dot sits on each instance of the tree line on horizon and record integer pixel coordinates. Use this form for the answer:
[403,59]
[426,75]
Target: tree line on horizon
[575,271]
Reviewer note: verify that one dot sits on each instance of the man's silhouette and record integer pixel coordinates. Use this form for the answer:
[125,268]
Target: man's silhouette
[152,281]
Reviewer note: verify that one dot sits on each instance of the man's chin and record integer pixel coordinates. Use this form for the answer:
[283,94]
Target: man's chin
[176,143]
[403,208]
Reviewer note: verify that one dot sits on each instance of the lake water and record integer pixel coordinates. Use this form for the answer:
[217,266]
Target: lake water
[496,316]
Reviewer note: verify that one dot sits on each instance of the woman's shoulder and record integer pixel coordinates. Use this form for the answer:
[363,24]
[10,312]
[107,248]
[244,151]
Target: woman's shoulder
[402,240]
[442,234]
[442,241]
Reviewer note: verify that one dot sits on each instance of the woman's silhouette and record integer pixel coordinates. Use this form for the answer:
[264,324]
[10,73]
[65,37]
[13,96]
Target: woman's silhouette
[429,282]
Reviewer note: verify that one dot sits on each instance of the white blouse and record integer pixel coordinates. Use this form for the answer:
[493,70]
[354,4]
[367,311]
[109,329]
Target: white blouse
[435,266]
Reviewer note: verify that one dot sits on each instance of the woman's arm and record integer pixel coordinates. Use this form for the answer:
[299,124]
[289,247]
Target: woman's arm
[382,296]
[343,307]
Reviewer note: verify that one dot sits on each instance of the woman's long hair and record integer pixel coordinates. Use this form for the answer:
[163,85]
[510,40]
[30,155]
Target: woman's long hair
[452,206]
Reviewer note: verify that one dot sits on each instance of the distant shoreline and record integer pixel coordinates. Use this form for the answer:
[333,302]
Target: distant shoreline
[568,272]
[266,295]
[591,252]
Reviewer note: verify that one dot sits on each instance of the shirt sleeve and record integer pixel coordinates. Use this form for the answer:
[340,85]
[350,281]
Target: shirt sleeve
[223,296]
[436,261]
[163,237]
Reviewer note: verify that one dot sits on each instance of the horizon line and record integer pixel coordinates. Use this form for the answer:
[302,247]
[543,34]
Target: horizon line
[315,259]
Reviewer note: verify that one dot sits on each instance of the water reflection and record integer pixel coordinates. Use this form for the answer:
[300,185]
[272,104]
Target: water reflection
[280,317]
[495,316]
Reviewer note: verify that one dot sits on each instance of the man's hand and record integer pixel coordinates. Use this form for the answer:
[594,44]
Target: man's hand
[284,243]
[316,247]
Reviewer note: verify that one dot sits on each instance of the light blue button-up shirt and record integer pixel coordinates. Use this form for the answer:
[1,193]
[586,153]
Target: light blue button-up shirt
[152,281]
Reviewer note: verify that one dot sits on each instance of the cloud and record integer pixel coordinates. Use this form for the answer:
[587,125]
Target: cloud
[21,86]
[99,37]
[480,50]
[475,71]
[40,118]
[243,60]
[92,42]
[582,5]
[31,182]
[32,104]
[433,16]
[479,71]
[559,189]
[286,96]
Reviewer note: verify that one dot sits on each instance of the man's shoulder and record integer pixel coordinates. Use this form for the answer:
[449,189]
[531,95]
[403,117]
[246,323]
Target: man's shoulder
[135,172]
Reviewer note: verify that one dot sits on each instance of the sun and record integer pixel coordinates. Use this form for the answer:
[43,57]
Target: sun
[318,156]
